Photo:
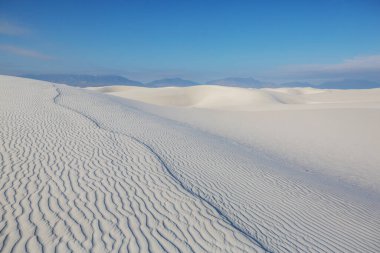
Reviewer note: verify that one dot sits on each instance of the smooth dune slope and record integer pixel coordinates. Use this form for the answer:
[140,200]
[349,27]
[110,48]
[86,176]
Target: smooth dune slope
[203,96]
[83,171]
[244,99]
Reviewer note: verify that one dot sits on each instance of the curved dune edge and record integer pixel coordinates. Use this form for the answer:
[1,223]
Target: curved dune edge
[87,172]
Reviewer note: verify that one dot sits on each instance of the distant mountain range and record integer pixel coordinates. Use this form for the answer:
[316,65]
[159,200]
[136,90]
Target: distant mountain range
[296,84]
[349,84]
[249,82]
[85,80]
[335,84]
[171,82]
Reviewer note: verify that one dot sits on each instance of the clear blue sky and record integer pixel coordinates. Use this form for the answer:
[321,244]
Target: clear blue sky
[198,40]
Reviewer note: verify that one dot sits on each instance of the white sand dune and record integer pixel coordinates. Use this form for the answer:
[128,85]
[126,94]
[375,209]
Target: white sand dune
[330,132]
[243,99]
[86,172]
[205,96]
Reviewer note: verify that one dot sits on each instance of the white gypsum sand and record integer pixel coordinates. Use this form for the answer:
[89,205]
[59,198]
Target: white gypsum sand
[329,132]
[84,171]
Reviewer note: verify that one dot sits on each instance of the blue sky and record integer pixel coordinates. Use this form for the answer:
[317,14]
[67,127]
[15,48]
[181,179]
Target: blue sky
[199,40]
